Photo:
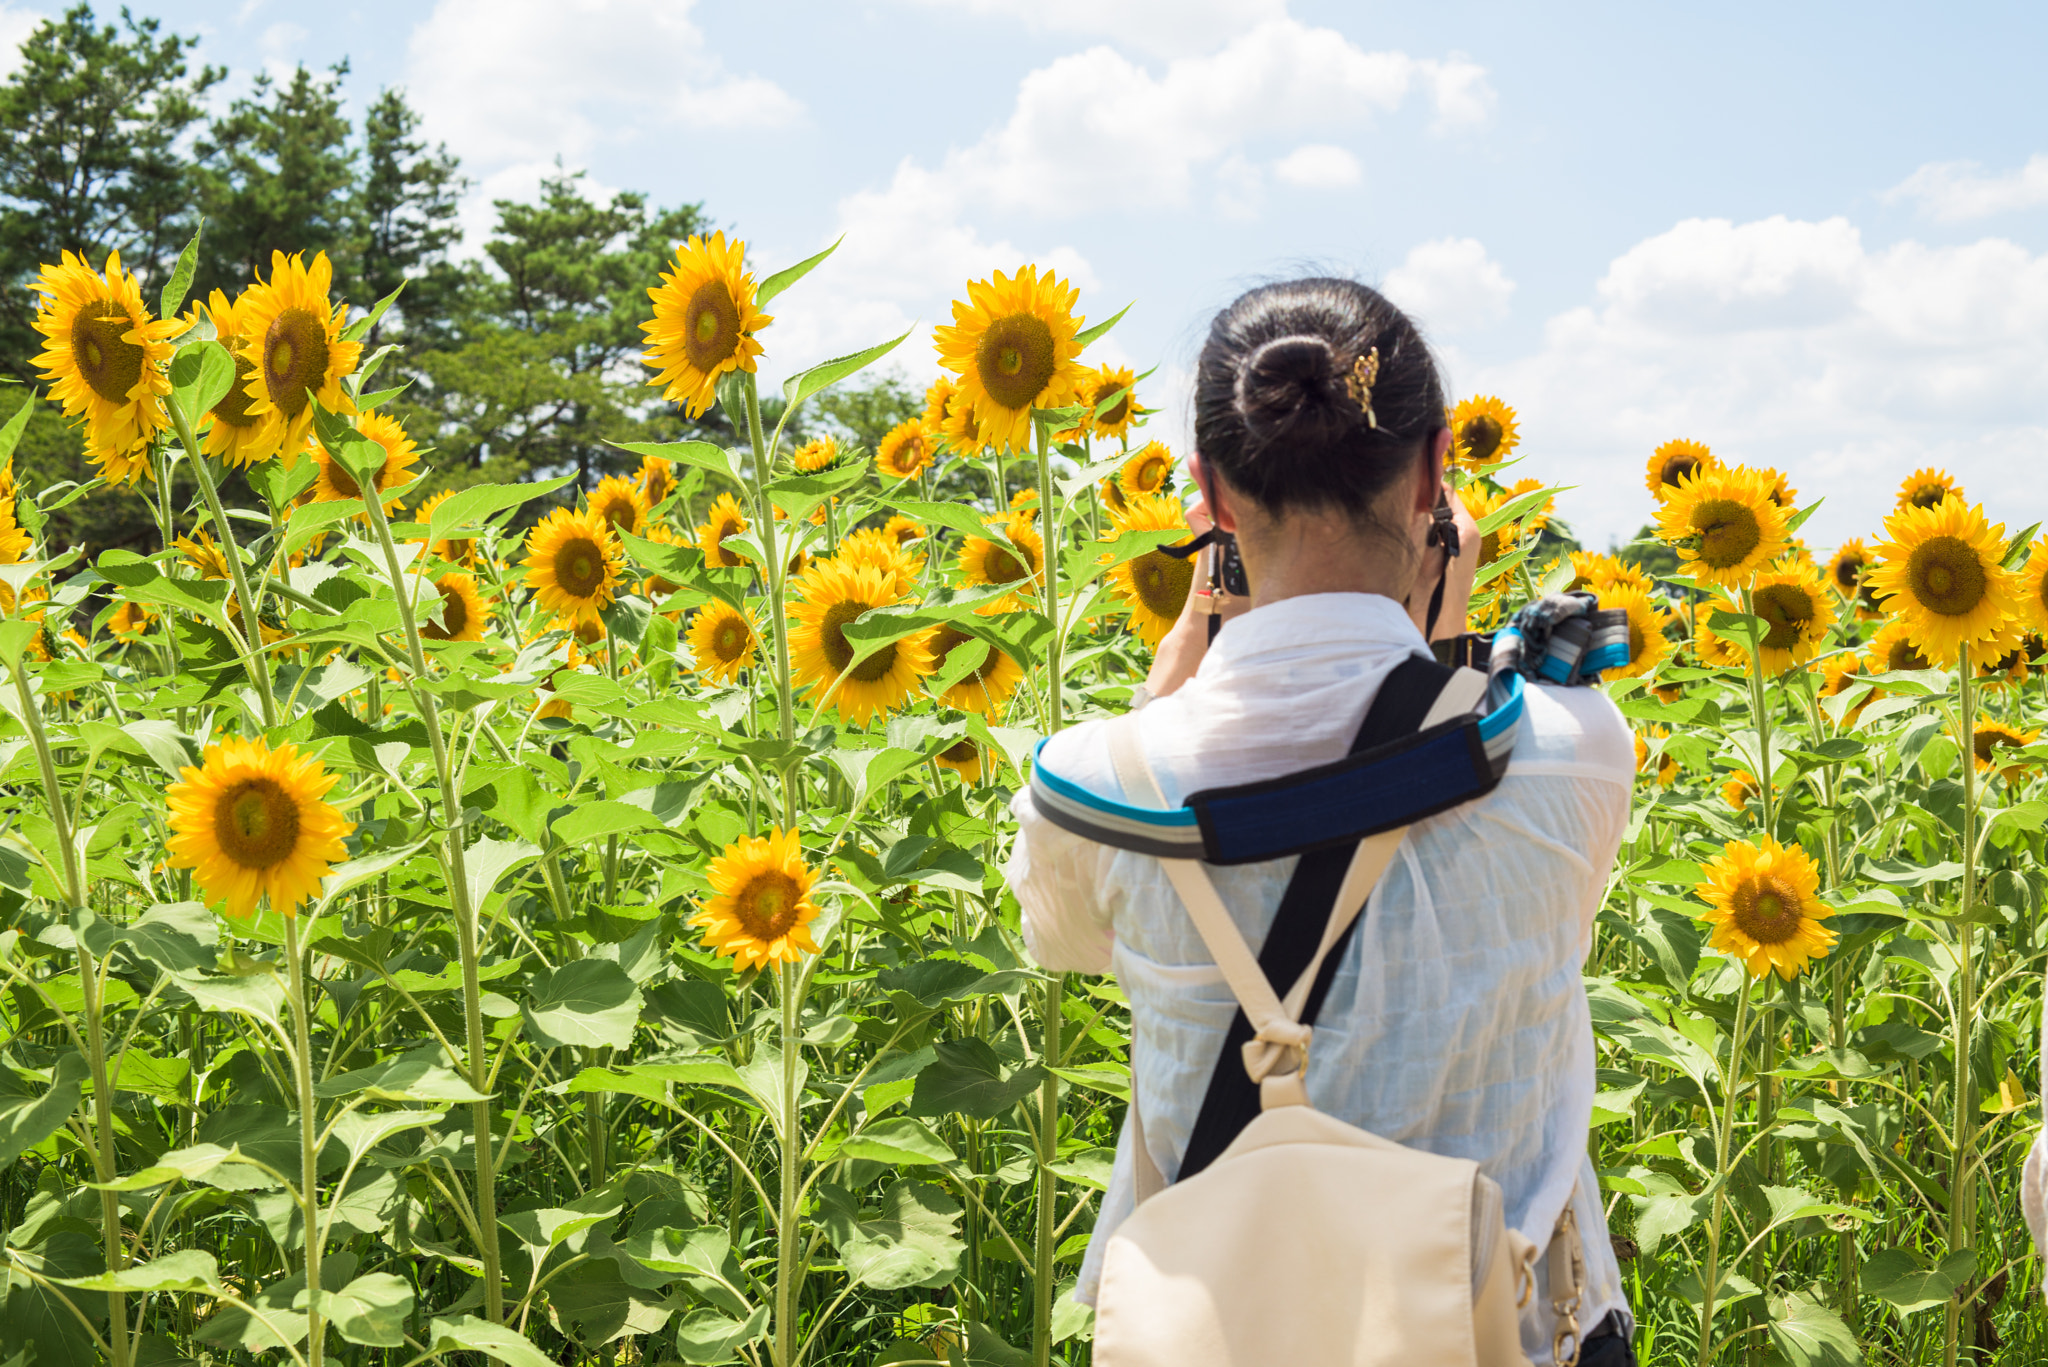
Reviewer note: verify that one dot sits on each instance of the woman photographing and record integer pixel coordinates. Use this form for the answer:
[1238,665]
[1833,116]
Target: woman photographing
[1452,1018]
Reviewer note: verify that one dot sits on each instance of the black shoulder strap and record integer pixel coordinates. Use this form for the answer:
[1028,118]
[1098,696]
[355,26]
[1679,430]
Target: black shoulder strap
[1232,1101]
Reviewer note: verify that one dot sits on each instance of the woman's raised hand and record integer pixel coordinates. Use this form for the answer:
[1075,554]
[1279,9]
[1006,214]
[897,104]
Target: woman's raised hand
[1187,641]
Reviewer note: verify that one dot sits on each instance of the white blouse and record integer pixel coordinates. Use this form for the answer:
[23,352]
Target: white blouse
[1457,1020]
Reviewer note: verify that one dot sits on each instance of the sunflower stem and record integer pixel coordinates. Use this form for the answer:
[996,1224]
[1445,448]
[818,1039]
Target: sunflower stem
[1049,1091]
[1710,1280]
[776,573]
[1961,1184]
[252,633]
[309,1142]
[786,1231]
[454,861]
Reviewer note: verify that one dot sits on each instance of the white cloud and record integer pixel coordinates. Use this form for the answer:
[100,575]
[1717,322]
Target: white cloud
[1451,285]
[511,81]
[1957,191]
[15,27]
[1319,166]
[1171,27]
[1793,344]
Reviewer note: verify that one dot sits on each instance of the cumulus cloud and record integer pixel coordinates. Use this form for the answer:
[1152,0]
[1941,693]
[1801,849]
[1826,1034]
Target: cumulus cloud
[1451,285]
[1794,344]
[523,81]
[1172,27]
[1958,191]
[15,26]
[1319,166]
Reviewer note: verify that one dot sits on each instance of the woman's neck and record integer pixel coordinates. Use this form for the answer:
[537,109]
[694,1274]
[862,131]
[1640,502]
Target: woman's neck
[1303,554]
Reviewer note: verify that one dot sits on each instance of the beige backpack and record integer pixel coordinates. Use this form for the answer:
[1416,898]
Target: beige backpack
[1310,1242]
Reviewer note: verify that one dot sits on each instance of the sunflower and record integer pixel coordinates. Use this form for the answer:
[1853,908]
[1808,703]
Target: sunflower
[1724,524]
[656,478]
[16,545]
[989,687]
[1839,672]
[1647,620]
[1482,431]
[203,555]
[1764,904]
[1739,791]
[906,450]
[333,483]
[957,430]
[1537,518]
[963,757]
[1025,500]
[1893,648]
[292,338]
[1926,487]
[1942,573]
[573,564]
[813,456]
[455,552]
[130,620]
[1722,652]
[654,586]
[2034,587]
[1150,471]
[104,358]
[1782,493]
[235,435]
[1667,764]
[1674,462]
[1847,570]
[1113,500]
[724,519]
[704,322]
[1013,344]
[990,562]
[1098,387]
[1155,584]
[903,529]
[1796,608]
[2002,659]
[250,823]
[464,614]
[1992,736]
[874,546]
[938,400]
[722,641]
[832,597]
[761,910]
[622,503]
[1483,504]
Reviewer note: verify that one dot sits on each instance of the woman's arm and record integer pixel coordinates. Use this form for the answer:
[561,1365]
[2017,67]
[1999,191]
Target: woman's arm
[1457,581]
[1187,640]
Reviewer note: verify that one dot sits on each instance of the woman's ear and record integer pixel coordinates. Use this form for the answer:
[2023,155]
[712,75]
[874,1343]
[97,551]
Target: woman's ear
[1430,479]
[1219,509]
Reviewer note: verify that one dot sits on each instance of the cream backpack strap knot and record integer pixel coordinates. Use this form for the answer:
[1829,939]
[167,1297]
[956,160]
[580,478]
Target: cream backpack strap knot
[1280,1047]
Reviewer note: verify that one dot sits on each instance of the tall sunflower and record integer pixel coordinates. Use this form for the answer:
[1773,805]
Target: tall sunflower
[833,597]
[1647,621]
[1764,903]
[16,545]
[455,551]
[875,546]
[104,359]
[1893,648]
[938,400]
[1592,570]
[292,339]
[724,519]
[130,620]
[963,757]
[1724,524]
[573,564]
[990,562]
[760,911]
[903,529]
[1148,471]
[654,586]
[622,503]
[1014,345]
[235,435]
[333,483]
[251,824]
[1722,652]
[2034,588]
[1098,386]
[1483,503]
[1675,461]
[1112,493]
[704,322]
[722,641]
[1482,431]
[202,554]
[1928,486]
[1942,576]
[1839,672]
[656,478]
[464,614]
[1846,571]
[906,450]
[1796,607]
[2002,659]
[813,456]
[1667,763]
[1740,790]
[1155,584]
[988,688]
[1537,518]
[1992,736]
[1782,492]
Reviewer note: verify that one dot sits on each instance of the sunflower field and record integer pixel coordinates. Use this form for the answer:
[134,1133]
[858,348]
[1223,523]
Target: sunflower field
[557,925]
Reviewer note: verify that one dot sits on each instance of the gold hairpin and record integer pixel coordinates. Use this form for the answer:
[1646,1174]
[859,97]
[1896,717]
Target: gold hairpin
[1365,373]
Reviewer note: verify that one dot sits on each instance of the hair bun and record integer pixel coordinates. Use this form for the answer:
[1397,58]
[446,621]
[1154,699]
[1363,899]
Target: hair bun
[1288,380]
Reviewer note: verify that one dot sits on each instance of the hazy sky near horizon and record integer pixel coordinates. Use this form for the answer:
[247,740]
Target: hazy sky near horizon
[1809,236]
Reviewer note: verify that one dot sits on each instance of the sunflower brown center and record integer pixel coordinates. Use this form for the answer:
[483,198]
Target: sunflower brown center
[1904,655]
[295,356]
[714,326]
[766,907]
[111,366]
[1162,582]
[1767,909]
[1946,576]
[580,567]
[256,823]
[730,639]
[1729,532]
[839,651]
[1677,468]
[1789,610]
[1927,495]
[946,640]
[1847,572]
[454,616]
[1016,360]
[1480,437]
[621,513]
[1987,740]
[960,752]
[344,483]
[659,485]
[1116,412]
[234,409]
[1150,475]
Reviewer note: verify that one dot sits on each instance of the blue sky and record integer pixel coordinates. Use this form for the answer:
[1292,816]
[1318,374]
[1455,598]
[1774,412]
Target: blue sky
[1809,236]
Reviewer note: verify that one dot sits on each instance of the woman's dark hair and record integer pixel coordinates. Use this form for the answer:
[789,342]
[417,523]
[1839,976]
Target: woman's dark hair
[1275,414]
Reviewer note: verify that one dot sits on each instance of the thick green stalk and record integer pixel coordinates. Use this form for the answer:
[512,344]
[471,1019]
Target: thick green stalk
[1048,1093]
[252,633]
[309,1140]
[786,1231]
[454,861]
[1962,1220]
[775,573]
[1711,1277]
[1050,519]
